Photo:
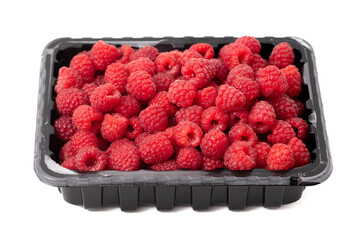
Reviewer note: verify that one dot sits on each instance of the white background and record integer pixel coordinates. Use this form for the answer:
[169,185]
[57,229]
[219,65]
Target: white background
[33,210]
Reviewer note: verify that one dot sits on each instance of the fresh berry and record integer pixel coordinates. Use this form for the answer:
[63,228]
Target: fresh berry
[251,42]
[282,55]
[69,99]
[204,49]
[167,63]
[242,132]
[280,157]
[214,118]
[262,117]
[142,64]
[68,78]
[105,97]
[91,159]
[169,165]
[117,75]
[140,85]
[211,163]
[248,87]
[82,139]
[234,54]
[66,151]
[83,65]
[242,70]
[169,133]
[271,81]
[230,99]
[258,62]
[103,54]
[299,151]
[123,156]
[240,156]
[188,134]
[221,70]
[87,118]
[262,149]
[124,53]
[113,127]
[192,113]
[188,55]
[301,108]
[206,97]
[294,80]
[176,53]
[134,129]
[182,93]
[189,158]
[163,81]
[140,138]
[199,71]
[160,99]
[281,132]
[64,128]
[238,117]
[147,51]
[88,89]
[214,144]
[284,106]
[128,106]
[155,148]
[299,126]
[153,119]
[69,163]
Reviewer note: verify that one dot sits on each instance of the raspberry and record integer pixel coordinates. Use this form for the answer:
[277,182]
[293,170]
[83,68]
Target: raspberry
[82,139]
[284,106]
[163,81]
[242,70]
[282,132]
[69,99]
[294,80]
[258,62]
[214,144]
[282,55]
[182,93]
[64,128]
[87,118]
[262,149]
[204,49]
[83,65]
[299,151]
[206,97]
[210,163]
[147,51]
[69,163]
[251,42]
[117,75]
[167,63]
[238,117]
[188,134]
[221,70]
[169,165]
[199,71]
[280,157]
[102,55]
[169,133]
[90,159]
[189,158]
[248,87]
[230,99]
[188,55]
[271,81]
[140,138]
[153,119]
[240,156]
[242,132]
[134,129]
[124,53]
[113,127]
[299,126]
[66,151]
[105,97]
[192,113]
[88,89]
[123,156]
[176,53]
[214,118]
[161,100]
[234,54]
[140,84]
[68,78]
[142,64]
[301,108]
[128,106]
[155,148]
[99,80]
[262,117]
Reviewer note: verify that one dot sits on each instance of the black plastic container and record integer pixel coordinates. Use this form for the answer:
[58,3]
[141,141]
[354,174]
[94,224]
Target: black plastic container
[201,189]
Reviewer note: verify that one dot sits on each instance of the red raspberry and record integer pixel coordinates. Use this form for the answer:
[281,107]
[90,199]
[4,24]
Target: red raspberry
[299,126]
[83,65]
[189,158]
[105,97]
[69,163]
[153,119]
[69,99]
[128,106]
[102,55]
[90,159]
[248,87]
[66,151]
[147,51]
[206,97]
[210,163]
[199,71]
[176,53]
[251,42]
[113,127]
[163,81]
[140,84]
[230,99]
[301,108]
[282,55]
[188,134]
[82,139]
[123,156]
[234,54]
[187,55]
[271,81]
[68,78]
[262,117]
[134,129]
[282,132]
[161,100]
[221,70]
[242,132]
[258,62]
[99,80]
[64,128]
[87,118]
[284,106]
[140,138]
[182,93]
[88,89]
[294,80]
[169,133]
[299,151]
[155,148]
[142,64]
[280,157]
[242,70]
[238,117]
[214,144]
[117,75]
[214,118]
[167,63]
[192,113]
[169,165]
[204,49]
[124,53]
[240,156]
[262,149]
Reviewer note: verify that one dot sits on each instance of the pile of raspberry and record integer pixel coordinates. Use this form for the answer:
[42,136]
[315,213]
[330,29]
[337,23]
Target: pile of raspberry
[126,109]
